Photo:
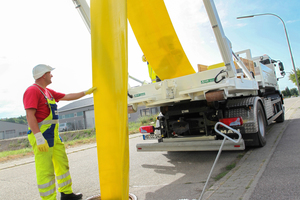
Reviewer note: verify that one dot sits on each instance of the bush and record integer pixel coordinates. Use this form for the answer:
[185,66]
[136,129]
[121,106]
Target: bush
[142,121]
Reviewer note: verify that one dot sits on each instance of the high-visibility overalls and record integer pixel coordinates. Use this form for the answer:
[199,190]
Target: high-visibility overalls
[55,161]
[152,74]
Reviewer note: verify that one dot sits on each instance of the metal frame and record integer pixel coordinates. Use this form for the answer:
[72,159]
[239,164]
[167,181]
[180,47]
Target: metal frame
[191,87]
[192,145]
[84,11]
[223,42]
[220,150]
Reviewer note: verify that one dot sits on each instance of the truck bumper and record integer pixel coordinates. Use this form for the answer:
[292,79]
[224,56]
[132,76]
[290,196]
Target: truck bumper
[203,145]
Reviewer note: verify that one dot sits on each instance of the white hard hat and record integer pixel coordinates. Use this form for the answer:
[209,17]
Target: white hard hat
[39,70]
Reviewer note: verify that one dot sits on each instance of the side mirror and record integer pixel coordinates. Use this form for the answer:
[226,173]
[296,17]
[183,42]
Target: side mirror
[281,68]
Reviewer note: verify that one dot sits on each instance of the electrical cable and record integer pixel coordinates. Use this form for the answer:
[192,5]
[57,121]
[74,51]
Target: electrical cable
[223,77]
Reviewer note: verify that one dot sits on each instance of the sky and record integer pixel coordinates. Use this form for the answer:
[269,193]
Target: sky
[38,31]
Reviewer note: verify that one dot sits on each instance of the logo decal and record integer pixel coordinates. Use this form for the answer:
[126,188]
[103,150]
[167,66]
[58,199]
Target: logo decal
[140,94]
[207,80]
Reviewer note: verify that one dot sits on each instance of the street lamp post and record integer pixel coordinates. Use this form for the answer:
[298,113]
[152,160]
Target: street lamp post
[287,38]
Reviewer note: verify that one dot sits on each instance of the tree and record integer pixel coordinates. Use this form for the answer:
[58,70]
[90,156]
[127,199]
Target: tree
[287,92]
[18,120]
[284,93]
[292,76]
[294,92]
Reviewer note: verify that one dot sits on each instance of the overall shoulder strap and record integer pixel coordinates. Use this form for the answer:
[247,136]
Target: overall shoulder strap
[44,93]
[41,92]
[51,121]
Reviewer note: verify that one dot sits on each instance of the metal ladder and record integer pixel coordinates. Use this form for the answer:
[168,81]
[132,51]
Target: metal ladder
[220,150]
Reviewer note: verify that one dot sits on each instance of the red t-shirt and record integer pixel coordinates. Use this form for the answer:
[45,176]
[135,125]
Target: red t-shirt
[33,98]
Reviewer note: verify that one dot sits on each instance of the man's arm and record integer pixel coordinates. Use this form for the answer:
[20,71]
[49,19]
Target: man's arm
[32,121]
[74,96]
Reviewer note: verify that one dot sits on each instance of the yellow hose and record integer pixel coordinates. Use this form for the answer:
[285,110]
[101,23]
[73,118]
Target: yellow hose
[153,29]
[109,66]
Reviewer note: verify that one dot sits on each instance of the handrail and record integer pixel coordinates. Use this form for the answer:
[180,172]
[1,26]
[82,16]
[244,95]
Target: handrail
[225,136]
[220,150]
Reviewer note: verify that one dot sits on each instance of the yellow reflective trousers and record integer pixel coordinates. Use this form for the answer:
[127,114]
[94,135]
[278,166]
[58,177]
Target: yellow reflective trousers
[152,74]
[55,161]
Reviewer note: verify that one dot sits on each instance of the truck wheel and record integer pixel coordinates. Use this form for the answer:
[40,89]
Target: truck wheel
[261,122]
[281,117]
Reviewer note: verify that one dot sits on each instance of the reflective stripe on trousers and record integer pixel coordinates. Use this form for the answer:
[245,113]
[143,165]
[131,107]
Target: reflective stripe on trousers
[64,179]
[47,188]
[48,164]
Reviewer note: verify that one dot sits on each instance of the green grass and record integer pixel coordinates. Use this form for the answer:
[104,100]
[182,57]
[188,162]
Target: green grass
[241,155]
[222,174]
[15,152]
[81,140]
[142,121]
[230,167]
[76,138]
[8,155]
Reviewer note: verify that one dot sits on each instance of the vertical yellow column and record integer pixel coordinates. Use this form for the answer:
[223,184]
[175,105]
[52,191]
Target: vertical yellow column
[109,61]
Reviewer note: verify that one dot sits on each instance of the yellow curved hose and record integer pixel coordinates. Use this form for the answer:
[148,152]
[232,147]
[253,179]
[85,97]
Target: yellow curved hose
[109,66]
[153,29]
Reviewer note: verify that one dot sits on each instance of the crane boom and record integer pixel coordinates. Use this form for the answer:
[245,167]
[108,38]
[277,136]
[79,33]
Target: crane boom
[223,42]
[84,11]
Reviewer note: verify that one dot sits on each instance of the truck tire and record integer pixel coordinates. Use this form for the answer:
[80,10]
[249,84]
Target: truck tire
[261,123]
[280,119]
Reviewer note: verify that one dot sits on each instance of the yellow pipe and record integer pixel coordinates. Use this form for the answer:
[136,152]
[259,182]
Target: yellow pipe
[109,66]
[153,29]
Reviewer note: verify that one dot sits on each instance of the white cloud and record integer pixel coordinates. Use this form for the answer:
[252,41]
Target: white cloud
[292,21]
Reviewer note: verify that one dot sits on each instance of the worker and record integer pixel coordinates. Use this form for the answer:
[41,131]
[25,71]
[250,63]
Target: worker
[154,78]
[50,156]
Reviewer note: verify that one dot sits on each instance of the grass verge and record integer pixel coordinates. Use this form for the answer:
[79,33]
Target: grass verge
[228,168]
[71,139]
[142,121]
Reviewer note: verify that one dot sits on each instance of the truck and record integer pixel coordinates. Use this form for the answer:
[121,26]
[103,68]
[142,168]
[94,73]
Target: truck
[189,114]
[242,93]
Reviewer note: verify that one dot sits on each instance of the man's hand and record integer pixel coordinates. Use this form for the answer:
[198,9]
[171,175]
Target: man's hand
[144,58]
[41,142]
[90,91]
[74,96]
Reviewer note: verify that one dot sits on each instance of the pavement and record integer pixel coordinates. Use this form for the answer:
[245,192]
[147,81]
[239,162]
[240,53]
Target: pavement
[271,172]
[24,161]
[281,178]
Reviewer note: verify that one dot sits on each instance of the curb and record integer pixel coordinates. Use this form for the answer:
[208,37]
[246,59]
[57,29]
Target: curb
[220,188]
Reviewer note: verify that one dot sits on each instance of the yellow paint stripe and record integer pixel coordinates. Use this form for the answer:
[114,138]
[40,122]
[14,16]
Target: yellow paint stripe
[109,66]
[153,29]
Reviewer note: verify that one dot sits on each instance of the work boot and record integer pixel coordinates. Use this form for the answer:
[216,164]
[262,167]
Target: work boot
[72,196]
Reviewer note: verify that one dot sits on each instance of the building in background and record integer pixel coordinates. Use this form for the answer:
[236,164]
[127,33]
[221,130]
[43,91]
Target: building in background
[80,115]
[77,115]
[11,130]
[73,116]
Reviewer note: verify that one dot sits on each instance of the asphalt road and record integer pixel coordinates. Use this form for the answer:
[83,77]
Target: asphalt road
[281,178]
[153,176]
[262,172]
